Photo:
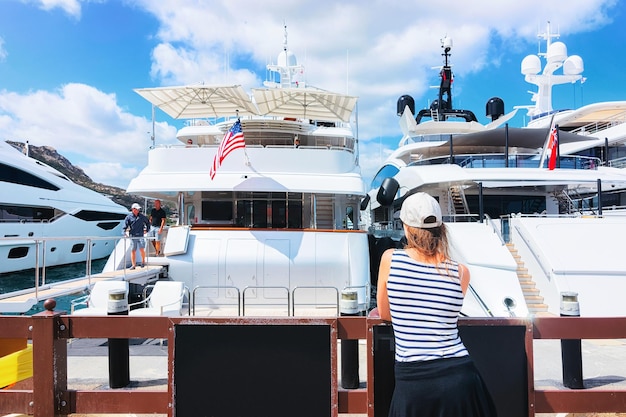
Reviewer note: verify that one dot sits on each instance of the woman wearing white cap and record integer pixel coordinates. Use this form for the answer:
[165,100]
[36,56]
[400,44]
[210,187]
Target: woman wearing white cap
[421,290]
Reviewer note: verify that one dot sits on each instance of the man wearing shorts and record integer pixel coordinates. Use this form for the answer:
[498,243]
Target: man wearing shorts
[157,222]
[135,226]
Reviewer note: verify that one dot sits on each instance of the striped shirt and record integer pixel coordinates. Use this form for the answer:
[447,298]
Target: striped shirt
[425,301]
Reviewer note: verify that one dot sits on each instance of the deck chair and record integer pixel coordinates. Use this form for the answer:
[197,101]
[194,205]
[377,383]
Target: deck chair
[166,299]
[96,302]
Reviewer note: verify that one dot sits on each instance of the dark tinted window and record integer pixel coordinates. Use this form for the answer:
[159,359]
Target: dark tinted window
[91,215]
[17,176]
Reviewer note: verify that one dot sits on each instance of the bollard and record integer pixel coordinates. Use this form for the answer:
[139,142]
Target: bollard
[349,306]
[119,370]
[571,353]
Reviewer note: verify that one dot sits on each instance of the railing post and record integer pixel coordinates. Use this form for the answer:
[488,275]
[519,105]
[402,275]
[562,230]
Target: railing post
[349,306]
[571,353]
[49,363]
[119,368]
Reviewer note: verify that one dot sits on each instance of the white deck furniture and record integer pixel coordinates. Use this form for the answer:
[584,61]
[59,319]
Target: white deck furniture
[166,299]
[97,300]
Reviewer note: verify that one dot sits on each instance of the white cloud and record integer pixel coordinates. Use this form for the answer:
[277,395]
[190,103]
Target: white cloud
[377,51]
[71,7]
[374,50]
[84,124]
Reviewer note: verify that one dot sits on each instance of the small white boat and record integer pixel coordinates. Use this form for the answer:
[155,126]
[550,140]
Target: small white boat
[502,192]
[276,225]
[38,203]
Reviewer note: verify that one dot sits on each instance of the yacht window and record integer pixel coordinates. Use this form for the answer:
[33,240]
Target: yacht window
[78,247]
[279,214]
[18,176]
[27,213]
[349,218]
[294,214]
[91,215]
[269,210]
[191,214]
[385,172]
[108,225]
[18,252]
[217,211]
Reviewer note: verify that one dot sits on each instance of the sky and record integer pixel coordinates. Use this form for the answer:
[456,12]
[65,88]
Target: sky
[68,67]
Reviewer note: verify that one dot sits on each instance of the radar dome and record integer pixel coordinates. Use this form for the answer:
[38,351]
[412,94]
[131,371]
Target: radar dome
[531,65]
[557,52]
[287,59]
[573,65]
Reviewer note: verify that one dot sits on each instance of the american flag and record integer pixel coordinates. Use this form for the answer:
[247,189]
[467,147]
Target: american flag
[231,141]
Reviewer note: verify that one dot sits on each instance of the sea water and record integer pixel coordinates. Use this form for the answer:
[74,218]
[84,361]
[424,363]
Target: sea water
[15,281]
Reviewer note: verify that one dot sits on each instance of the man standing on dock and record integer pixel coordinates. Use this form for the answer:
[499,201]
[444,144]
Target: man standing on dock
[136,225]
[157,222]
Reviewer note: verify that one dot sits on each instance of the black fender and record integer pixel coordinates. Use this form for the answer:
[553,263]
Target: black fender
[387,191]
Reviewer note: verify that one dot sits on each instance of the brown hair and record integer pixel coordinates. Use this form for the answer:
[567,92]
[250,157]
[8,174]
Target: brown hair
[432,243]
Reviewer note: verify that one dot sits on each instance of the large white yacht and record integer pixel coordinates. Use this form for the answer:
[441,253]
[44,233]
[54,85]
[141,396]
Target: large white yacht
[38,203]
[528,233]
[277,226]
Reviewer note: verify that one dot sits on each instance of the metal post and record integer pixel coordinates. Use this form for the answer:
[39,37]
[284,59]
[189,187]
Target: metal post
[349,306]
[571,352]
[599,197]
[481,208]
[119,370]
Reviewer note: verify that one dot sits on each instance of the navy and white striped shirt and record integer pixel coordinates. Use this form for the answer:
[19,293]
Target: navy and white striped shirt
[425,301]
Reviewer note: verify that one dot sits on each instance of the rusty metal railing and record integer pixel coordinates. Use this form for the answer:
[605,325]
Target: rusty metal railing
[47,394]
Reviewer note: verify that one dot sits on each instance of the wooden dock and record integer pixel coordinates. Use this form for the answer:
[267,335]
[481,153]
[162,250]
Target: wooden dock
[23,300]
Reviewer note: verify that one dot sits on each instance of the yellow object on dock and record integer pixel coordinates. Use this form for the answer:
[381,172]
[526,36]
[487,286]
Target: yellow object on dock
[16,366]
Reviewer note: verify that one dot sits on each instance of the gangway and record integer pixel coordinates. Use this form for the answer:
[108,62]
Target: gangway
[23,300]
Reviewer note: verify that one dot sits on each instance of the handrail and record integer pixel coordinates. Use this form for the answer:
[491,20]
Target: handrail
[218,288]
[257,287]
[539,257]
[50,331]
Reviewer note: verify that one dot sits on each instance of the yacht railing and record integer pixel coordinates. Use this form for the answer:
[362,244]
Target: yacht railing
[618,162]
[595,127]
[536,252]
[519,160]
[348,147]
[41,243]
[503,349]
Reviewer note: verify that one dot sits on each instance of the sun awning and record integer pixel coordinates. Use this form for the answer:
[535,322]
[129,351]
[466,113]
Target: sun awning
[305,103]
[200,101]
[523,137]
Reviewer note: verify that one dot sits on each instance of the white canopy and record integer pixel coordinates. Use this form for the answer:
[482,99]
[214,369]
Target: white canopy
[305,103]
[200,101]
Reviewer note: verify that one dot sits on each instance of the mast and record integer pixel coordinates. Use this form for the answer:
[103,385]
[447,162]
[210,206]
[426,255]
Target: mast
[556,58]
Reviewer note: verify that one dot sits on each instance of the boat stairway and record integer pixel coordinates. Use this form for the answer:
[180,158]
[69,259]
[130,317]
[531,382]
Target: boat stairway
[23,300]
[534,300]
[459,202]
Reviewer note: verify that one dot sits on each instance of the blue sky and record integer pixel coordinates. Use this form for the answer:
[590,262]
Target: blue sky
[68,67]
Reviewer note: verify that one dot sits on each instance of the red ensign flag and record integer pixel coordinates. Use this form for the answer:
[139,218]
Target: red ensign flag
[553,145]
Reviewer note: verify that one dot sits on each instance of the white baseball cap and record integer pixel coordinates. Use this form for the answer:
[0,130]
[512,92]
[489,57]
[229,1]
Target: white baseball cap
[135,206]
[421,210]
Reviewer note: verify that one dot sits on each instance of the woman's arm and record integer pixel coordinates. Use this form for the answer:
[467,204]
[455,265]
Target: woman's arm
[382,299]
[464,276]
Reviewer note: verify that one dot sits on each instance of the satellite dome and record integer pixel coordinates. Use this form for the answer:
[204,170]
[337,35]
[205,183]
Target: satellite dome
[287,59]
[573,65]
[531,65]
[557,52]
